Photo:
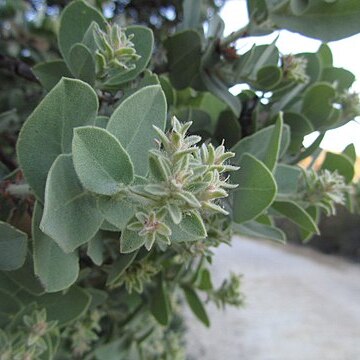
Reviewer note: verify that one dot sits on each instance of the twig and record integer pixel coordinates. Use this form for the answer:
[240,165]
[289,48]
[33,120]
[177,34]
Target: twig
[241,33]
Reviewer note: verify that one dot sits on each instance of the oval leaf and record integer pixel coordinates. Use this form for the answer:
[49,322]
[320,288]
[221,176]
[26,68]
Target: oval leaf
[74,22]
[268,77]
[296,214]
[191,228]
[340,163]
[48,131]
[100,161]
[82,63]
[55,269]
[117,211]
[65,308]
[96,248]
[256,190]
[160,303]
[267,138]
[132,124]
[13,247]
[65,200]
[130,241]
[51,72]
[196,305]
[256,230]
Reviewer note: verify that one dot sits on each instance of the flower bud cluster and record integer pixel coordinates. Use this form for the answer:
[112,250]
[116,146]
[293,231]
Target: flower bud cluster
[325,189]
[228,293]
[115,52]
[27,341]
[350,102]
[137,274]
[151,226]
[185,179]
[84,332]
[294,68]
[191,177]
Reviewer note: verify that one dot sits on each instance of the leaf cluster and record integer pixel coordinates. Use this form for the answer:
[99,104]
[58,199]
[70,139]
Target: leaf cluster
[129,178]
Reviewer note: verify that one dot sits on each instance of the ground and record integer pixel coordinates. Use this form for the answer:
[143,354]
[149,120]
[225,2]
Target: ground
[300,305]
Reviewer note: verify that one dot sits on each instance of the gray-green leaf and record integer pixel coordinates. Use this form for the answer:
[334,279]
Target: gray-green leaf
[96,248]
[256,190]
[296,214]
[191,228]
[55,269]
[13,247]
[100,161]
[117,211]
[131,241]
[196,305]
[160,303]
[132,124]
[70,214]
[82,63]
[51,72]
[74,22]
[48,131]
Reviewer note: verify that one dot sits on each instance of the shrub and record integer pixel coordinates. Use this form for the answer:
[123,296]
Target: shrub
[138,161]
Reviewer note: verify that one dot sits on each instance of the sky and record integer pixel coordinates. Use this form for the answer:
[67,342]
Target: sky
[345,54]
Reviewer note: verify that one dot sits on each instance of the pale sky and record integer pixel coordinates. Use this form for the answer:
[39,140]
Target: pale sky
[345,54]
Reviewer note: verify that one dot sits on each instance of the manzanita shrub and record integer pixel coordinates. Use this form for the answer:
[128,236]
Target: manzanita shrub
[134,166]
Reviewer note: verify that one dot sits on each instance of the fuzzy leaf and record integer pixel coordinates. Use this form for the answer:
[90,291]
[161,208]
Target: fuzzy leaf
[96,248]
[82,63]
[65,200]
[273,148]
[350,153]
[117,211]
[48,131]
[327,20]
[287,178]
[318,105]
[25,278]
[50,73]
[340,163]
[65,308]
[143,42]
[256,190]
[13,247]
[299,127]
[160,303]
[74,22]
[132,124]
[256,230]
[55,269]
[130,241]
[268,77]
[100,161]
[196,305]
[267,137]
[296,214]
[184,56]
[191,228]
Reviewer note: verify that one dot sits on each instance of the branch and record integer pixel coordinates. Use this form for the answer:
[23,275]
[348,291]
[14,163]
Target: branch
[17,67]
[241,33]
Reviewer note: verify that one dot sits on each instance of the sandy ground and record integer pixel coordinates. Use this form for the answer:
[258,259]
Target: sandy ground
[300,305]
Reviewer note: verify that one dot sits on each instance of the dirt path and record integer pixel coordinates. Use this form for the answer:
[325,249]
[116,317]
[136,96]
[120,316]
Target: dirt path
[300,305]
